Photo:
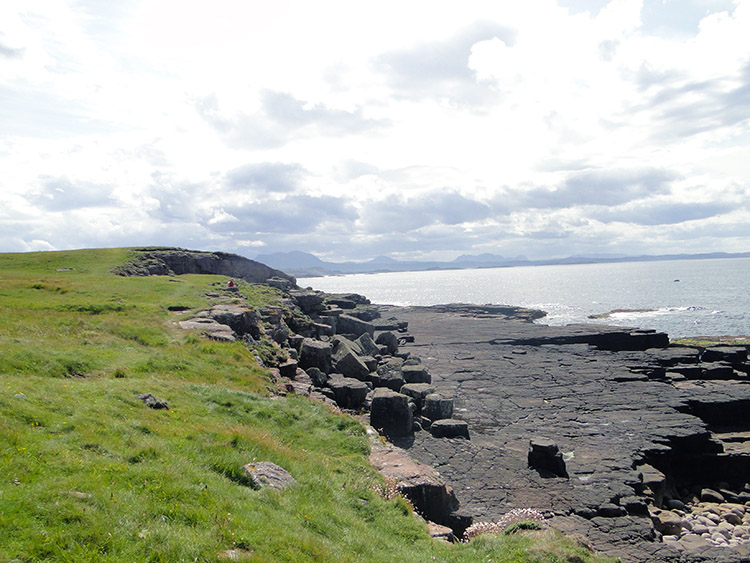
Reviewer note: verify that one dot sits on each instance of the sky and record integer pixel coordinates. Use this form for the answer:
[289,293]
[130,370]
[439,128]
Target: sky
[414,130]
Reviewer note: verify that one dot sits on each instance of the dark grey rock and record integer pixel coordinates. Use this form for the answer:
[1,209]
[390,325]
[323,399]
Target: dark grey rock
[390,413]
[437,407]
[348,393]
[450,428]
[288,369]
[310,302]
[545,457]
[416,374]
[317,354]
[608,420]
[346,361]
[317,377]
[347,324]
[611,510]
[717,370]
[242,320]
[417,392]
[389,340]
[178,261]
[674,355]
[734,355]
[367,345]
[370,362]
[676,504]
[635,506]
[391,375]
[151,401]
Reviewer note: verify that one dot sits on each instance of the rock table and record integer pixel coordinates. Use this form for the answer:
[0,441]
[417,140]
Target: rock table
[610,406]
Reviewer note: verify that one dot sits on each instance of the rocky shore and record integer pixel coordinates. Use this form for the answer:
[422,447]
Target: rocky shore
[652,439]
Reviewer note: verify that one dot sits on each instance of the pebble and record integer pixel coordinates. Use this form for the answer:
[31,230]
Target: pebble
[722,525]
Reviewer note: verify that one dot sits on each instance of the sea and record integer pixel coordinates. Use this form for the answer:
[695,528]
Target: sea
[684,298]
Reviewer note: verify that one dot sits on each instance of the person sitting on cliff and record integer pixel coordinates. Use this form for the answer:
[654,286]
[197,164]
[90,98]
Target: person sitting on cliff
[231,284]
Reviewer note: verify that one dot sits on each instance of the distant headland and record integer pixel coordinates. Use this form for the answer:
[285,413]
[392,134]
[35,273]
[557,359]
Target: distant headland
[304,264]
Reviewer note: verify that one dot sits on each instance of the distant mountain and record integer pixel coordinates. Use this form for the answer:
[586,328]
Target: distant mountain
[303,264]
[486,257]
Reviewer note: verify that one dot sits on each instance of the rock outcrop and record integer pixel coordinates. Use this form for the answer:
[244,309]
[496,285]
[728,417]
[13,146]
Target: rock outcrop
[639,441]
[177,261]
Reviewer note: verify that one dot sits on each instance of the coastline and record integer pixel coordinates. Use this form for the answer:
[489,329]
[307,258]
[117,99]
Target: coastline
[612,413]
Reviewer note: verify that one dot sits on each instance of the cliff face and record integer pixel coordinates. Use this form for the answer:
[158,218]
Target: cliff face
[165,261]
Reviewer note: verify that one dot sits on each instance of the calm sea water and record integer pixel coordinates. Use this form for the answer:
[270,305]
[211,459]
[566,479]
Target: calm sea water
[683,297]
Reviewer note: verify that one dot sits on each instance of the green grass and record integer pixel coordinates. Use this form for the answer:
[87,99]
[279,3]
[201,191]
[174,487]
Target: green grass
[708,341]
[89,473]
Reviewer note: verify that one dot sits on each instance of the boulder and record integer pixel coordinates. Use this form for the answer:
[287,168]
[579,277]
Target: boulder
[370,362]
[450,428]
[348,393]
[264,474]
[392,323]
[346,324]
[153,402]
[367,345]
[389,340]
[317,354]
[735,355]
[288,369]
[310,302]
[280,333]
[666,522]
[709,495]
[417,392]
[346,361]
[390,374]
[416,374]
[635,506]
[437,407]
[342,303]
[295,341]
[365,313]
[317,377]
[390,413]
[545,457]
[654,480]
[242,320]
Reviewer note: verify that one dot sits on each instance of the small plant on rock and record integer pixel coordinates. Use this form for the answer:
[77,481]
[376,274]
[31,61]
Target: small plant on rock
[509,523]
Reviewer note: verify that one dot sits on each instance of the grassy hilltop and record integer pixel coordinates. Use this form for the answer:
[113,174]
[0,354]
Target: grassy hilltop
[89,473]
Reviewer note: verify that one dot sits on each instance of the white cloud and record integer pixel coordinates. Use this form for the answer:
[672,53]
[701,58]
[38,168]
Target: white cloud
[344,128]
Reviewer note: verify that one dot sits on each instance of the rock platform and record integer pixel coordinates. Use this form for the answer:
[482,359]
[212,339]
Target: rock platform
[643,428]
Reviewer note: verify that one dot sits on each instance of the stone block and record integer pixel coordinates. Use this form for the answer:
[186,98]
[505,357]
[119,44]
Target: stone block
[348,393]
[416,374]
[437,407]
[390,413]
[450,428]
[314,353]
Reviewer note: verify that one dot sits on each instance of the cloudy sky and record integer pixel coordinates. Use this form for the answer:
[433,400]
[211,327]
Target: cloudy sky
[419,129]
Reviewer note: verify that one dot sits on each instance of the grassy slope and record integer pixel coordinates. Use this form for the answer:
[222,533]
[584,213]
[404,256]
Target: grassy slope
[89,473]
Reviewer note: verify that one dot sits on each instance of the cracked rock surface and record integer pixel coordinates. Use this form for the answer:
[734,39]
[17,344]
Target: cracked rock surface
[613,401]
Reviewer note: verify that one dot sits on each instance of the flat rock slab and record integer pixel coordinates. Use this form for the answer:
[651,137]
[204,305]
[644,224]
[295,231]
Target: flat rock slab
[594,390]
